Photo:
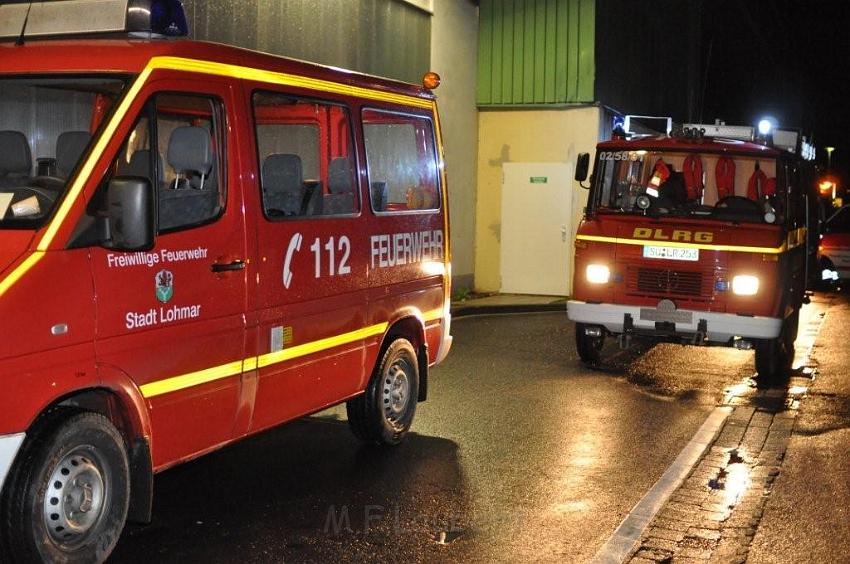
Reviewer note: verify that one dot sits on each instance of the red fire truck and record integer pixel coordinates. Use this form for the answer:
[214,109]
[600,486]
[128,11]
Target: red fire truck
[197,243]
[698,236]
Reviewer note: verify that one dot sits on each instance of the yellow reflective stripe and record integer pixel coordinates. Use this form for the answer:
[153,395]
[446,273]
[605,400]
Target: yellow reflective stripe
[643,242]
[286,79]
[192,379]
[16,274]
[433,314]
[320,345]
[207,375]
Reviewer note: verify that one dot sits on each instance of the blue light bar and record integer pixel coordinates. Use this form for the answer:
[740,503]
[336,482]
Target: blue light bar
[160,17]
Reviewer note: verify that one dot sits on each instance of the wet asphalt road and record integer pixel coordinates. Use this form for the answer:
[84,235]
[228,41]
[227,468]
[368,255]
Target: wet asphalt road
[521,453]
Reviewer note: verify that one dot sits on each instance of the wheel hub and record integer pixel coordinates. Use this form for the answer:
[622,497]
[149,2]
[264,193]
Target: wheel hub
[396,392]
[74,499]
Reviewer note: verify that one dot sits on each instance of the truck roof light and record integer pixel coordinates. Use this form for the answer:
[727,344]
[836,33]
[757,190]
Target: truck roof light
[430,80]
[89,17]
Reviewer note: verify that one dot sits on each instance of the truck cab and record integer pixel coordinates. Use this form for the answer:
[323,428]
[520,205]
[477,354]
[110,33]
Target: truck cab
[698,236]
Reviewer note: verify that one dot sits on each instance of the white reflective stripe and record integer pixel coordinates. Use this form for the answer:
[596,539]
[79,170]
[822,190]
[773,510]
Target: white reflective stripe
[9,445]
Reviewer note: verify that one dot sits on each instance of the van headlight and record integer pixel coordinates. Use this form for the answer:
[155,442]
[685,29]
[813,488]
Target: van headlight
[745,285]
[598,273]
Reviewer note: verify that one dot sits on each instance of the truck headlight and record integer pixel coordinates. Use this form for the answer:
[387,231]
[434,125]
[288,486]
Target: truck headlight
[598,273]
[745,285]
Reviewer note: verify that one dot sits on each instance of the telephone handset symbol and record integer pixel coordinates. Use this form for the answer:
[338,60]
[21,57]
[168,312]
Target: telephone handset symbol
[294,245]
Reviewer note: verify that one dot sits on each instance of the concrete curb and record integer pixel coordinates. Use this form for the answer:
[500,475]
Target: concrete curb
[469,310]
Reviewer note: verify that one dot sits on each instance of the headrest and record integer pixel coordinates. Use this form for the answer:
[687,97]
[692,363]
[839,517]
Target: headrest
[339,176]
[190,149]
[282,172]
[15,156]
[69,148]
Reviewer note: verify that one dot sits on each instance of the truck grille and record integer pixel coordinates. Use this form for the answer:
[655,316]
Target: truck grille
[666,282]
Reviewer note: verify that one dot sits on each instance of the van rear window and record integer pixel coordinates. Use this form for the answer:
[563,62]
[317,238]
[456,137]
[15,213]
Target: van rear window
[46,128]
[402,161]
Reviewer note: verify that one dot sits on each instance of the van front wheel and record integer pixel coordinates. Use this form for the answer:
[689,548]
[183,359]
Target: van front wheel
[68,495]
[384,412]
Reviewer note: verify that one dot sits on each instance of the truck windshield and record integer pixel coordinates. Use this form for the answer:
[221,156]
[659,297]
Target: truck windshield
[46,127]
[738,188]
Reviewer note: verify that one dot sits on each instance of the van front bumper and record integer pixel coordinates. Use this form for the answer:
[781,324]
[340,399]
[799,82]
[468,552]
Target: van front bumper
[9,445]
[720,327]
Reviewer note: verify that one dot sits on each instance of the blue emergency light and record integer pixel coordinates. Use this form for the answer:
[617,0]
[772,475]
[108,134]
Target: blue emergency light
[160,17]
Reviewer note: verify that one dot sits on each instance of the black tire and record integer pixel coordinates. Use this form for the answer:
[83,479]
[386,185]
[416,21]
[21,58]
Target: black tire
[588,347]
[384,412]
[774,356]
[67,496]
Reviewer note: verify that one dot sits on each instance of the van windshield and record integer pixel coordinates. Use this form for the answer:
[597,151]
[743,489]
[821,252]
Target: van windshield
[46,127]
[738,188]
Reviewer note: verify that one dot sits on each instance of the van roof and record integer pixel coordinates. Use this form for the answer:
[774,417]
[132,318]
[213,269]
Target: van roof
[694,145]
[129,55]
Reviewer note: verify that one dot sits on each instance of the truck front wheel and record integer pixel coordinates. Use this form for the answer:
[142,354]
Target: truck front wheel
[588,346]
[68,494]
[774,356]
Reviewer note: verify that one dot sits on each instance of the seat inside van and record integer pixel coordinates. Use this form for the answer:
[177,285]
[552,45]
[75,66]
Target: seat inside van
[15,158]
[192,196]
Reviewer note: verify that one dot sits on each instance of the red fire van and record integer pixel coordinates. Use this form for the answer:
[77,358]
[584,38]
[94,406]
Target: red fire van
[698,236]
[197,242]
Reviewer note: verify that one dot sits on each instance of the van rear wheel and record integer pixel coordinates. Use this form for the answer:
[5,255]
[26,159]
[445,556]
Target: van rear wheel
[588,347]
[384,412]
[68,493]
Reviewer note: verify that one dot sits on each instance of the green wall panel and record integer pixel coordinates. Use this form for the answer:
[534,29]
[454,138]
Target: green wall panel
[535,52]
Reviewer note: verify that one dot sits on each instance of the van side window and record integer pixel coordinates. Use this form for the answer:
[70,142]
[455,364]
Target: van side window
[402,161]
[305,157]
[188,160]
[183,165]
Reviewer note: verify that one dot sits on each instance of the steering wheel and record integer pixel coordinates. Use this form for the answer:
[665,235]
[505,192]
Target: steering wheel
[738,203]
[50,197]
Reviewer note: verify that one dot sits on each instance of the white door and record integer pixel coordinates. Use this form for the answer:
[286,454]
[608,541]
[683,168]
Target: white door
[536,231]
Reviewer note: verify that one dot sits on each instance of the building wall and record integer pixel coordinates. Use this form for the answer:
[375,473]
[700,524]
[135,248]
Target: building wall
[389,38]
[453,56]
[556,136]
[536,52]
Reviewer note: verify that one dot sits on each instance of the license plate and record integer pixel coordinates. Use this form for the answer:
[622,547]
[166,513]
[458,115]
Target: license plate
[670,253]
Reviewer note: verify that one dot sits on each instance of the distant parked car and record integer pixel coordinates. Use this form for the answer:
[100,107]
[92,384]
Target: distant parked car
[834,249]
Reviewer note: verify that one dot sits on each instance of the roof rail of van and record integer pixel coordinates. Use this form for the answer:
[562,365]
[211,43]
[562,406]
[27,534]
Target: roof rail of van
[137,18]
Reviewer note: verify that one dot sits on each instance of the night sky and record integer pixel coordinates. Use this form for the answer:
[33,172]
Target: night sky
[783,58]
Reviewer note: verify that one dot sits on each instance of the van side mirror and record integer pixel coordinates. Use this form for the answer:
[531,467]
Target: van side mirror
[582,165]
[129,214]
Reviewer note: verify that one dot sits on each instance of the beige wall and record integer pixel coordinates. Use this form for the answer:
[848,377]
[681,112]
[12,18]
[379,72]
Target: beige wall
[524,136]
[454,48]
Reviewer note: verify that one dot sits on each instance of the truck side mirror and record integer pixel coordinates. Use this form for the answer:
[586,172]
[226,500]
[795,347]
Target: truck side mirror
[129,214]
[582,165]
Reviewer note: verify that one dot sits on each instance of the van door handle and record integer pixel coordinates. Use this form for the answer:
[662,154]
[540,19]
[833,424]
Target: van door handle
[235,265]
